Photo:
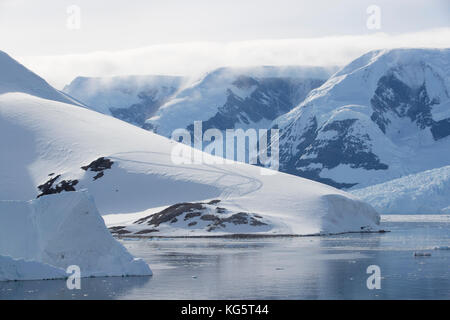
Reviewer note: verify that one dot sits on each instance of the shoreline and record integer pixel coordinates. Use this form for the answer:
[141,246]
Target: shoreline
[246,235]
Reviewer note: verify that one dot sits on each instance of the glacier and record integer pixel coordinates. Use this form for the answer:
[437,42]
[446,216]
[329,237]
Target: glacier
[422,193]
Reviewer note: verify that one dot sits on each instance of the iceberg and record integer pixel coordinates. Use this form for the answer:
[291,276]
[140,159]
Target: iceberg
[40,239]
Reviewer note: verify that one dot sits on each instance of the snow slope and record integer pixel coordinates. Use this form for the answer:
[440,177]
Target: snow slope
[426,192]
[383,116]
[130,98]
[228,98]
[39,239]
[14,77]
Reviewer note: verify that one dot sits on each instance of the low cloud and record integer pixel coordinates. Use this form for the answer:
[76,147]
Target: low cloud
[197,57]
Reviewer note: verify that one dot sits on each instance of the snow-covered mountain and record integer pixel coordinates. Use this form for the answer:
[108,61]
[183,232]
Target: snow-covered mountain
[14,77]
[53,147]
[426,192]
[133,99]
[229,98]
[383,116]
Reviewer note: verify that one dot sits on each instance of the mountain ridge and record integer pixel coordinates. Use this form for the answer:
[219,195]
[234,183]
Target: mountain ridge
[371,119]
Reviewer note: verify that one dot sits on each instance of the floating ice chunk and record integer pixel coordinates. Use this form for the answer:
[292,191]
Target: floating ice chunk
[57,231]
[19,269]
[442,248]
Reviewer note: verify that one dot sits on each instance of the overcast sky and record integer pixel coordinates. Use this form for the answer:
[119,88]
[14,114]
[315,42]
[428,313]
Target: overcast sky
[189,36]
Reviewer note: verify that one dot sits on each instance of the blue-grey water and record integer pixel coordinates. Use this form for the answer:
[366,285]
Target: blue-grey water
[332,267]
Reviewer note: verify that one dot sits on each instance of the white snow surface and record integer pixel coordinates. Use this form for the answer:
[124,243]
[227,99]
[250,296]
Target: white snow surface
[422,193]
[14,77]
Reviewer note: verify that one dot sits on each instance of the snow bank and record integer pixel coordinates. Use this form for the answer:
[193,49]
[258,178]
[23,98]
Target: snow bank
[56,231]
[423,193]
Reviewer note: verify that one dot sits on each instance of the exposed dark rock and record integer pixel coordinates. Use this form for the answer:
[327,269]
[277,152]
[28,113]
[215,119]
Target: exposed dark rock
[193,210]
[256,222]
[441,129]
[99,165]
[119,230]
[236,219]
[345,148]
[191,215]
[51,188]
[209,217]
[271,98]
[99,175]
[150,101]
[244,82]
[170,213]
[415,103]
[146,231]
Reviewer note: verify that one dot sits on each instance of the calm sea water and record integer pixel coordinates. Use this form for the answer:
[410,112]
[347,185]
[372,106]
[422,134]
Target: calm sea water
[331,267]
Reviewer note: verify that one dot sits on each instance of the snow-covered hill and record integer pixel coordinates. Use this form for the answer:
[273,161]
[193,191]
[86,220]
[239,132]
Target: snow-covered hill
[130,98]
[426,192]
[229,98]
[14,77]
[383,116]
[52,147]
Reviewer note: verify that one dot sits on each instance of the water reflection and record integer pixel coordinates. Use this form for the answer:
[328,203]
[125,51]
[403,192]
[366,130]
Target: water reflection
[91,288]
[279,268]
